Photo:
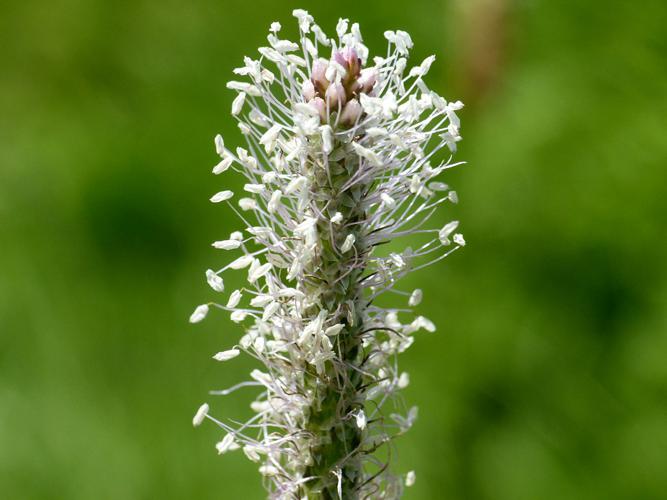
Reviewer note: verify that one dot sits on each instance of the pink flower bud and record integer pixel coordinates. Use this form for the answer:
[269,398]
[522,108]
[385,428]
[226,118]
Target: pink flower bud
[320,106]
[351,113]
[340,59]
[318,77]
[335,96]
[349,59]
[367,80]
[308,90]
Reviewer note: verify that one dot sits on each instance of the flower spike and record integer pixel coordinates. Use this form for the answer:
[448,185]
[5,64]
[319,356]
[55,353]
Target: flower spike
[342,158]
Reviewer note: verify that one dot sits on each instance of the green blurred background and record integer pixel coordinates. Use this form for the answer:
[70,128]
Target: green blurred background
[547,378]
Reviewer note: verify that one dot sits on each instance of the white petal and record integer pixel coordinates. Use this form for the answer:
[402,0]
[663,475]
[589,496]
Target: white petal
[200,415]
[260,231]
[244,87]
[305,108]
[410,478]
[376,132]
[241,262]
[459,240]
[269,138]
[237,104]
[234,299]
[254,188]
[334,330]
[260,406]
[415,298]
[227,355]
[341,27]
[238,316]
[268,470]
[367,153]
[226,244]
[227,444]
[327,138]
[295,184]
[388,200]
[361,419]
[261,300]
[310,47]
[438,186]
[274,202]
[224,164]
[215,281]
[259,344]
[247,204]
[255,274]
[269,178]
[270,310]
[199,313]
[347,244]
[446,231]
[453,197]
[456,105]
[222,196]
[404,380]
[219,145]
[251,452]
[422,322]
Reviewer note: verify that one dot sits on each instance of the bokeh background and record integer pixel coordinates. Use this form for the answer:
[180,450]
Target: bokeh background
[547,378]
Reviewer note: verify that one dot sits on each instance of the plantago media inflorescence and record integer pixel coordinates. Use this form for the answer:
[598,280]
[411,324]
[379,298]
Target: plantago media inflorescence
[342,158]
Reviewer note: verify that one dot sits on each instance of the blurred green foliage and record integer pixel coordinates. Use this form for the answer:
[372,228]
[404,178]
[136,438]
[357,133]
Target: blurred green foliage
[547,378]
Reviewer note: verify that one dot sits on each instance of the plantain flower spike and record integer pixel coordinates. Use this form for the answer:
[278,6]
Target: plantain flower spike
[340,162]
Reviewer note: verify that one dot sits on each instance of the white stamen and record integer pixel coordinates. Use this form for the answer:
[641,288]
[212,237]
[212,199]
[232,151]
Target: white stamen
[226,244]
[234,299]
[222,196]
[348,243]
[199,313]
[200,415]
[215,281]
[227,355]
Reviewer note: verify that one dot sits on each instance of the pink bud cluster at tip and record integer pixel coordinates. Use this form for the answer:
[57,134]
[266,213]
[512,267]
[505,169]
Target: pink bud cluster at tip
[335,86]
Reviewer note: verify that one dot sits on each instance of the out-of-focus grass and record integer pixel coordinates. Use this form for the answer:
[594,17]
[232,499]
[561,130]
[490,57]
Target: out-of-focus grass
[547,376]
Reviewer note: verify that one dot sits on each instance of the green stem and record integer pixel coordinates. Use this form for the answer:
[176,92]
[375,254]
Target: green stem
[335,281]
